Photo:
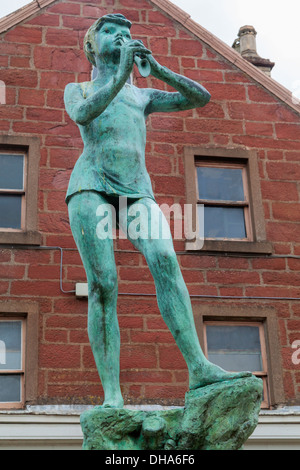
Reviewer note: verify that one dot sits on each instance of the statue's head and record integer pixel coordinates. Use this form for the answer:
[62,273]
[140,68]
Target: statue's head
[90,40]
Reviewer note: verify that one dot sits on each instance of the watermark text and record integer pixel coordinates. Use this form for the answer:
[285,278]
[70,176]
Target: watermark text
[296,354]
[149,221]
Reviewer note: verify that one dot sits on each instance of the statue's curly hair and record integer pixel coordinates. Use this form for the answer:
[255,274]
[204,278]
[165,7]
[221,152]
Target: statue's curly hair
[90,35]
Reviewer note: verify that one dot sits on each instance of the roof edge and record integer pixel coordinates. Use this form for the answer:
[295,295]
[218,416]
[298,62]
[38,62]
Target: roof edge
[22,14]
[185,20]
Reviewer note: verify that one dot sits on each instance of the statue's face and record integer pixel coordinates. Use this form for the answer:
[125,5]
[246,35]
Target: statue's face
[110,38]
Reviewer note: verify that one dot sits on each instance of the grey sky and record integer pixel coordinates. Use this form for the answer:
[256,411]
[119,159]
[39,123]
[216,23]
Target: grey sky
[276,22]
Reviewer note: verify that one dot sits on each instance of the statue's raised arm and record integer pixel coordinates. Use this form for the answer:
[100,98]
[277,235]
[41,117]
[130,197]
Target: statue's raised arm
[190,94]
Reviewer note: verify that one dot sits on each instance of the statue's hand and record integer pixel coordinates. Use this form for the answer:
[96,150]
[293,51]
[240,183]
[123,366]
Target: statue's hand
[128,50]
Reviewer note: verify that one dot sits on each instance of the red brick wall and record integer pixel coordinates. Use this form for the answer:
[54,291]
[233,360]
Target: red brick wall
[38,58]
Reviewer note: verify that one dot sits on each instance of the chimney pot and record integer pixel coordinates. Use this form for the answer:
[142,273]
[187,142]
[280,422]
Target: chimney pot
[247,36]
[245,45]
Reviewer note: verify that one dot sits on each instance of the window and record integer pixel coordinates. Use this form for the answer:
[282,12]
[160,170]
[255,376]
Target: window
[222,189]
[19,169]
[12,190]
[12,362]
[18,354]
[226,183]
[243,337]
[238,347]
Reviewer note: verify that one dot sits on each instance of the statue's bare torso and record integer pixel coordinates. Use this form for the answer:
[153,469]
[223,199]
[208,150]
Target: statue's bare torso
[113,159]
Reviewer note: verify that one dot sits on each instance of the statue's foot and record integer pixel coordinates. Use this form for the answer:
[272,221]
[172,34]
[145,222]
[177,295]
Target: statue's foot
[113,402]
[120,404]
[209,374]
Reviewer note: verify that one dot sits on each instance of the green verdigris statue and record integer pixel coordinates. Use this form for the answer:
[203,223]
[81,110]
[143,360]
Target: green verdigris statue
[111,115]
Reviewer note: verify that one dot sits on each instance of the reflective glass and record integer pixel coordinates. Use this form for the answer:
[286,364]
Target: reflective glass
[234,348]
[11,171]
[10,211]
[10,388]
[224,222]
[220,184]
[10,345]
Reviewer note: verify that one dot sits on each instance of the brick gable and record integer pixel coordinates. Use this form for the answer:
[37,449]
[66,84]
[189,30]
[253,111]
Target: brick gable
[38,58]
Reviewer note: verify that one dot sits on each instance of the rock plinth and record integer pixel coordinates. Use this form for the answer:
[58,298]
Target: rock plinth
[221,416]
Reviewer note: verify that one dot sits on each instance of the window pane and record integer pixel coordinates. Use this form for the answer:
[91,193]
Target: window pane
[10,345]
[234,348]
[220,184]
[11,171]
[10,211]
[224,222]
[10,388]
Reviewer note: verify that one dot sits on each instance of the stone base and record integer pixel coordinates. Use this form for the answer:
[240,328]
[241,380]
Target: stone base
[221,416]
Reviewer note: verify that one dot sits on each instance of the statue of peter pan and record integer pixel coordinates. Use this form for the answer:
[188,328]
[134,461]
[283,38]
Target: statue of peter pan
[111,115]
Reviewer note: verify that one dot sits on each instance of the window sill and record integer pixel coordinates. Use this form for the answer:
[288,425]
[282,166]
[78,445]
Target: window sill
[228,246]
[20,238]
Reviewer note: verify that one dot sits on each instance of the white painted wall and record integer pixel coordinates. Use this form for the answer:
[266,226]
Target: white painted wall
[58,428]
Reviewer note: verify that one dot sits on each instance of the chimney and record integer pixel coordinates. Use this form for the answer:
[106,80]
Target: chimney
[245,44]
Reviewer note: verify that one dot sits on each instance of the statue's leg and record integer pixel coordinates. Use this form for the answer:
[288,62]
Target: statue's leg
[172,294]
[98,259]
